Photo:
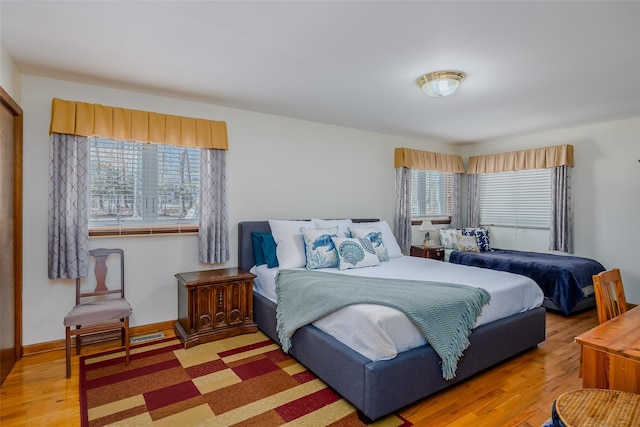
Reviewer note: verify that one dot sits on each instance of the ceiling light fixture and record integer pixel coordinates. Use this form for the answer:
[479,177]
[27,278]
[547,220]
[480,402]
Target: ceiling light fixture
[441,83]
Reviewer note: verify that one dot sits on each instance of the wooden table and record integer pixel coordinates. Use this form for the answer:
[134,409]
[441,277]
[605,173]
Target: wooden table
[610,353]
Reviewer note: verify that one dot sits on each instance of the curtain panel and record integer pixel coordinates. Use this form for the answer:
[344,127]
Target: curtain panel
[456,209]
[68,222]
[473,201]
[561,230]
[402,220]
[95,120]
[537,158]
[213,231]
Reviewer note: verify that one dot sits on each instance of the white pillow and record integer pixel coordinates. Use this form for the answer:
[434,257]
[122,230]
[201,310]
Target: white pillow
[342,225]
[319,249]
[355,253]
[375,237]
[289,242]
[393,249]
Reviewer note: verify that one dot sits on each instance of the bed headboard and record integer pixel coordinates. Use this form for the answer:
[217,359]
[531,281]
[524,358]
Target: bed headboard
[246,260]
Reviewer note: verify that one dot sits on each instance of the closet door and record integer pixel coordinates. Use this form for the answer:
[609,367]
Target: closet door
[10,233]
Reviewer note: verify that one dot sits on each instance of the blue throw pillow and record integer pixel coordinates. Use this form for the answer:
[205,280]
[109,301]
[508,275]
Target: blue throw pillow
[258,252]
[264,249]
[269,250]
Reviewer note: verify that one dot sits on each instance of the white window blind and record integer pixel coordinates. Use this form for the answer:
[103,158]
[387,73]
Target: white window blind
[516,199]
[139,184]
[431,194]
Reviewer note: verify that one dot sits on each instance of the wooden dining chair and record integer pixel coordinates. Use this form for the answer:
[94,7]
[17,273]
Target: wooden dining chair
[609,293]
[101,309]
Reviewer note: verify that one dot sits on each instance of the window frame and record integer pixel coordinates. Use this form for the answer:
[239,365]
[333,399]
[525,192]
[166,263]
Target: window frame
[521,201]
[147,224]
[448,197]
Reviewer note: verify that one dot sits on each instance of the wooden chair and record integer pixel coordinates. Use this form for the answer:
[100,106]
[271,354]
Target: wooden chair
[101,309]
[609,293]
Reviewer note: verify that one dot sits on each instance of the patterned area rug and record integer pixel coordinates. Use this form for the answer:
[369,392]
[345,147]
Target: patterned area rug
[240,381]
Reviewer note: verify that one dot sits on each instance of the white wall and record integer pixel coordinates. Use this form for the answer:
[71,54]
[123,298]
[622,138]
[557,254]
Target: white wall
[276,168]
[606,184]
[10,76]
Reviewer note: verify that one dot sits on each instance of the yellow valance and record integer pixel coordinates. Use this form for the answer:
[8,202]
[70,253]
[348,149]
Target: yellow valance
[427,160]
[95,120]
[536,158]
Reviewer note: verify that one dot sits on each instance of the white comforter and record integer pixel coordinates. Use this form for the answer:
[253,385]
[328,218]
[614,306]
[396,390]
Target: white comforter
[380,332]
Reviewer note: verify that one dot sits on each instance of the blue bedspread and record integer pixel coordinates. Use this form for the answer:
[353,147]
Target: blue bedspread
[560,277]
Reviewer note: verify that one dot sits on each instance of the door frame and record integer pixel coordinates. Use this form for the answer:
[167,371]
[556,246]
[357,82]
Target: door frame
[8,103]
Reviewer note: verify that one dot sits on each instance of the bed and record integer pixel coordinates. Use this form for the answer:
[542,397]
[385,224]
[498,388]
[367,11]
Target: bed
[565,280]
[379,387]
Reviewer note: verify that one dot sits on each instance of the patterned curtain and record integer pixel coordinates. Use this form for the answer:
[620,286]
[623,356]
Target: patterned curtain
[561,232]
[402,223]
[473,200]
[214,231]
[68,207]
[456,209]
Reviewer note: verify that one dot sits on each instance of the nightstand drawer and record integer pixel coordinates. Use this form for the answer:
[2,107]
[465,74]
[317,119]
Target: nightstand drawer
[433,252]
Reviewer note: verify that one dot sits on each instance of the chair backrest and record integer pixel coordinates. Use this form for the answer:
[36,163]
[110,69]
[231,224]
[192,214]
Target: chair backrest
[100,256]
[609,293]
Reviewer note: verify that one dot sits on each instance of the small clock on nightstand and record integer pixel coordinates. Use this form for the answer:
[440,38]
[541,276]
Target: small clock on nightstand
[433,252]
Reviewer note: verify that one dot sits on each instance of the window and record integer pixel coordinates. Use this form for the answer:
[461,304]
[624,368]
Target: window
[142,185]
[431,194]
[516,199]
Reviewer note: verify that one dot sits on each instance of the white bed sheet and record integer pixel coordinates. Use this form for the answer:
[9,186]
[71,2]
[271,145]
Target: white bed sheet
[380,333]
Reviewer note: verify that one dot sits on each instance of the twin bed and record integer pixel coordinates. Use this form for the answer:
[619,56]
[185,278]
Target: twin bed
[565,280]
[373,355]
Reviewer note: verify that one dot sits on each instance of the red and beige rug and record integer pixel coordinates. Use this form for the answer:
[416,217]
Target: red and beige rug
[241,381]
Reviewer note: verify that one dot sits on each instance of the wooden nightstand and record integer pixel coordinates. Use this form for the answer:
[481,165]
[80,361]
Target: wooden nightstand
[214,304]
[433,252]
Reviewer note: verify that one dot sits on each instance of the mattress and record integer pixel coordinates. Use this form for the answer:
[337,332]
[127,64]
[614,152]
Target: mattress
[380,332]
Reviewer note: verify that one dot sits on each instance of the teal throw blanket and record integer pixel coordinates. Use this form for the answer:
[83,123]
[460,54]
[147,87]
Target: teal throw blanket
[445,313]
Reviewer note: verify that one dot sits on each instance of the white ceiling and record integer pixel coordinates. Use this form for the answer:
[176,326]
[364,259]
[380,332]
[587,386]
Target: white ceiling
[531,65]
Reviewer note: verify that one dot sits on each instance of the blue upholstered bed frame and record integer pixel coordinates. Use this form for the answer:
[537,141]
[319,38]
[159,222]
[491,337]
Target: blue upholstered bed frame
[379,388]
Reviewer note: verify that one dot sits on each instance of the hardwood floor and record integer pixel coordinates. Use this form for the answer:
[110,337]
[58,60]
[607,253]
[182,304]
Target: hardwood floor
[518,392]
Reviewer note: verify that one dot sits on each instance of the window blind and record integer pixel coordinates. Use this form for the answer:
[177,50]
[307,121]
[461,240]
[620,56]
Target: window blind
[516,199]
[431,194]
[139,184]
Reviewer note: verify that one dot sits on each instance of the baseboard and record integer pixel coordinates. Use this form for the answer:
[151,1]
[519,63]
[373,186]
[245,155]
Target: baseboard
[89,339]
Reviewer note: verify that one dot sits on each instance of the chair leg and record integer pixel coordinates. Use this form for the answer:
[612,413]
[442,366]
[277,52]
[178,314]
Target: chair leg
[78,342]
[126,340]
[68,350]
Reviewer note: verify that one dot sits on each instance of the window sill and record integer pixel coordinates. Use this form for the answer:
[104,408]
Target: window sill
[433,221]
[142,231]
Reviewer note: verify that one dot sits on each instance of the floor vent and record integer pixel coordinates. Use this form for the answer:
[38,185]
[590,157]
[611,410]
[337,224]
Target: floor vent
[150,337]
